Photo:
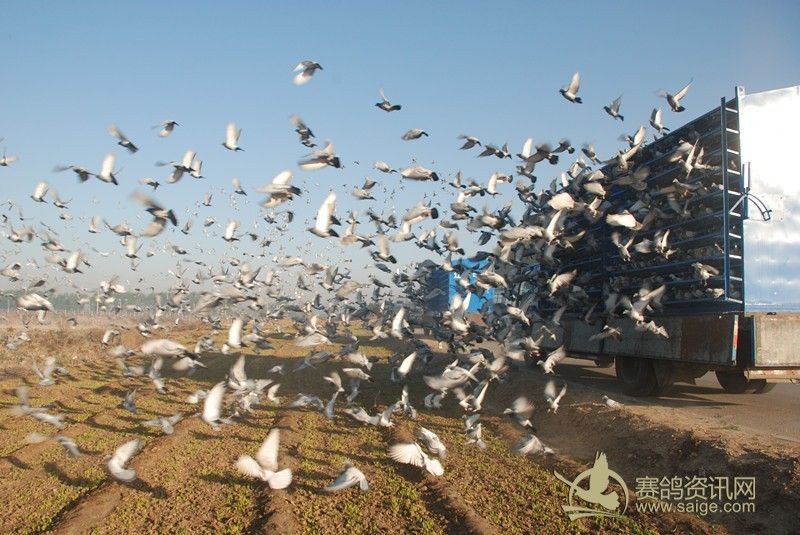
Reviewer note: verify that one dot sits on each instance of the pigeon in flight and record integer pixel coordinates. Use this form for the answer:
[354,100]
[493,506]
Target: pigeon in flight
[232,135]
[674,101]
[117,462]
[265,464]
[349,477]
[385,105]
[123,141]
[305,70]
[570,92]
[613,108]
[414,133]
[413,454]
[166,127]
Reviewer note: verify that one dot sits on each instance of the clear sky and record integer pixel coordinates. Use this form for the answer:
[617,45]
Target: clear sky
[489,69]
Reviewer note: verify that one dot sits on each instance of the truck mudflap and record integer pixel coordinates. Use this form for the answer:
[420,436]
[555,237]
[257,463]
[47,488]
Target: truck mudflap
[774,376]
[776,340]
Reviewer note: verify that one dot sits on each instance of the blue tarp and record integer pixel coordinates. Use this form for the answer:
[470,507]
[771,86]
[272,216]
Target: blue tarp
[448,282]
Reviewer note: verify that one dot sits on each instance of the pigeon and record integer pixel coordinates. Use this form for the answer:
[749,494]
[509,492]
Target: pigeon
[413,454]
[552,359]
[532,445]
[570,92]
[674,101]
[212,406]
[521,411]
[69,446]
[265,464]
[166,127]
[325,218]
[613,108]
[129,403]
[107,173]
[432,442]
[116,464]
[335,380]
[123,141]
[384,167]
[385,105]
[656,122]
[469,142]
[232,135]
[414,133]
[611,403]
[305,70]
[166,424]
[349,477]
[551,397]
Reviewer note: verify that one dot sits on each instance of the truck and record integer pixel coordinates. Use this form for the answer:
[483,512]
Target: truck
[740,317]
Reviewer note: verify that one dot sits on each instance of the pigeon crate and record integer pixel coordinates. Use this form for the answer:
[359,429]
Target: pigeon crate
[704,208]
[719,186]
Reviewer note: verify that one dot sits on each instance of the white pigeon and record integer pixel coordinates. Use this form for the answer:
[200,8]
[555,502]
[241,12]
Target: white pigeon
[532,445]
[552,359]
[212,406]
[305,70]
[265,465]
[117,462]
[349,477]
[106,173]
[432,442]
[611,403]
[166,127]
[401,371]
[39,192]
[570,92]
[551,397]
[230,230]
[413,454]
[325,217]
[232,135]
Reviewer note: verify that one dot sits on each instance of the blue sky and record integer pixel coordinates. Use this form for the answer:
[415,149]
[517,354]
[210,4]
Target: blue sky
[487,69]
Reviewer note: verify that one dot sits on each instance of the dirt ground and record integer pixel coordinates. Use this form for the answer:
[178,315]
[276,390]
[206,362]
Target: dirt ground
[187,482]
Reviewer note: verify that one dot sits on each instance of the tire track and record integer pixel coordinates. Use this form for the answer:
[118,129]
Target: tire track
[273,510]
[439,495]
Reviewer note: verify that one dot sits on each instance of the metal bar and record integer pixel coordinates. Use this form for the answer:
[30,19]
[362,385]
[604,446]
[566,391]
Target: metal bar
[726,265]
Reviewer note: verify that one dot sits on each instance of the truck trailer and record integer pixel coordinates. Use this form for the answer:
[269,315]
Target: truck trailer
[738,314]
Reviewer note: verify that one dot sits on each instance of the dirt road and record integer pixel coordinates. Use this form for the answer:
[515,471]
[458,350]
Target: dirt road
[772,416]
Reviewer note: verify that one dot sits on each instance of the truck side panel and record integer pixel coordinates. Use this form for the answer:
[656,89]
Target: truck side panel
[699,339]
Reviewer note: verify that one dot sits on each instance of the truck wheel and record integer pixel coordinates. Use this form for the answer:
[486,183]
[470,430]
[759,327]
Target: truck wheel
[763,387]
[604,362]
[735,382]
[637,376]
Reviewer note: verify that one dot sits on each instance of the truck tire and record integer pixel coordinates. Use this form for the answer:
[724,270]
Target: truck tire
[764,387]
[637,376]
[735,382]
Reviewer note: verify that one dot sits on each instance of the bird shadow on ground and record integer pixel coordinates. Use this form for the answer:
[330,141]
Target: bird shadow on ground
[12,459]
[159,493]
[92,422]
[63,408]
[316,476]
[83,482]
[204,436]
[110,390]
[225,479]
[366,459]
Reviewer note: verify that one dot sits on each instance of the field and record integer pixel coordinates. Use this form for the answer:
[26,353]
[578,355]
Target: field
[187,482]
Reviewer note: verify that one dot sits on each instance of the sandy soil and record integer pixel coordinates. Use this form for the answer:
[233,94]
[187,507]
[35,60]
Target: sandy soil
[188,484]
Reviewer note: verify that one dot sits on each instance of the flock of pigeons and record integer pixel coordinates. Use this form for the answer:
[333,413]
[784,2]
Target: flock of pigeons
[524,317]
